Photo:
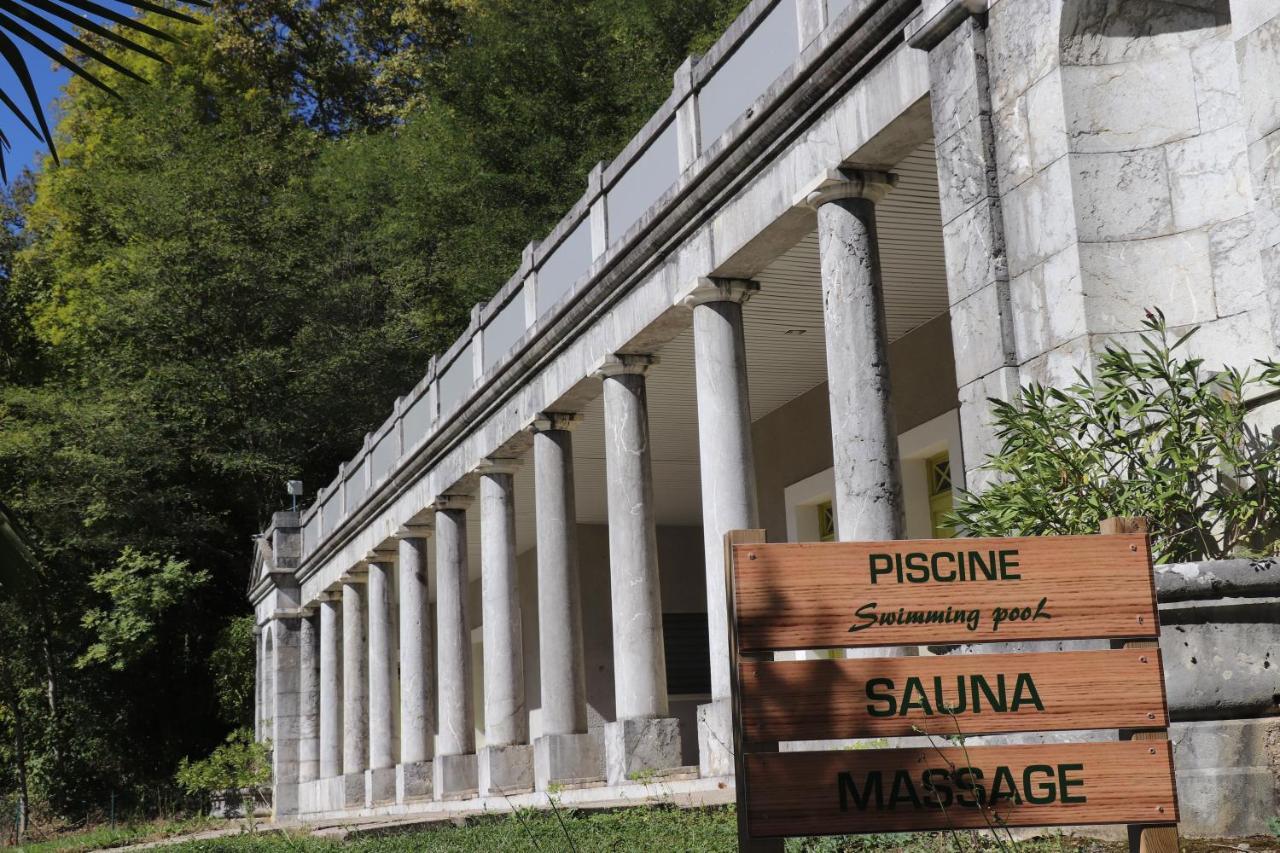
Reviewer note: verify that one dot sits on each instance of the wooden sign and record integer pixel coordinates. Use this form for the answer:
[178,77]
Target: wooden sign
[787,597]
[947,695]
[939,591]
[903,790]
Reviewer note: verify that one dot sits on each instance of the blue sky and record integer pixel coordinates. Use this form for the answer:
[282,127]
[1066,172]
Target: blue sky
[48,82]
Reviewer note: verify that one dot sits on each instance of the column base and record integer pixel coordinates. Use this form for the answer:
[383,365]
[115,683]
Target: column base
[284,800]
[506,769]
[568,759]
[353,790]
[379,786]
[635,749]
[715,739]
[454,776]
[413,781]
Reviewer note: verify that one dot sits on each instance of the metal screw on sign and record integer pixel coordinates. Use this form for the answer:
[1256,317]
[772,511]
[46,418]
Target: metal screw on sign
[1143,659]
[1133,547]
[751,556]
[1141,620]
[1151,716]
[1152,750]
[1160,809]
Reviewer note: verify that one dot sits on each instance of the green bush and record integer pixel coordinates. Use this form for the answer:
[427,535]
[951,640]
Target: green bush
[240,763]
[1154,435]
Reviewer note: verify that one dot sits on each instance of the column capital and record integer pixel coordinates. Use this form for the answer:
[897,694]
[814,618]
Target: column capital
[839,184]
[549,421]
[497,465]
[357,574]
[620,363]
[380,557]
[331,595]
[417,530]
[710,289]
[444,502]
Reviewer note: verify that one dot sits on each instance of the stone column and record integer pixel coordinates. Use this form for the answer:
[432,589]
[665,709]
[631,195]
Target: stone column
[285,629]
[380,778]
[868,477]
[728,485]
[506,762]
[644,738]
[868,482]
[259,675]
[417,669]
[355,691]
[566,751]
[330,686]
[309,697]
[454,768]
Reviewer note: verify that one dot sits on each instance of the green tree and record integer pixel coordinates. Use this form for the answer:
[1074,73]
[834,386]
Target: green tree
[1155,435]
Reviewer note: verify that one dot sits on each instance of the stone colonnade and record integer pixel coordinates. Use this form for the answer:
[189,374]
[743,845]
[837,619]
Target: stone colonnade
[342,735]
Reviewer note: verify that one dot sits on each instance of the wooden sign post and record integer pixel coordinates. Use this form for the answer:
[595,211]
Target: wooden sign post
[786,597]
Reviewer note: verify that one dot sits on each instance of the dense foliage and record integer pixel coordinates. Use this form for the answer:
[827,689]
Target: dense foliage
[235,270]
[1154,434]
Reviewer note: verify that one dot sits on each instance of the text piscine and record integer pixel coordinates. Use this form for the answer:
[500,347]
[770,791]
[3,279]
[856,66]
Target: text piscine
[957,566]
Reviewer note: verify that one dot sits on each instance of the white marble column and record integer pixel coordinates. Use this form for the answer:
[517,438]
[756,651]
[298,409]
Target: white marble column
[868,482]
[566,750]
[727,467]
[644,737]
[309,696]
[454,767]
[355,691]
[868,477]
[380,783]
[417,667]
[506,762]
[259,684]
[331,698]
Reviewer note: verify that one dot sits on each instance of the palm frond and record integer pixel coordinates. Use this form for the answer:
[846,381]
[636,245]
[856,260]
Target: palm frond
[26,20]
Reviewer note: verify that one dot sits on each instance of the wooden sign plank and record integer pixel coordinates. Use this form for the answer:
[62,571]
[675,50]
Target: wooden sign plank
[969,694]
[904,790]
[937,591]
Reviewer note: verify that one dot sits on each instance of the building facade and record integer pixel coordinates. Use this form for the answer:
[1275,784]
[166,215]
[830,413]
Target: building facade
[786,304]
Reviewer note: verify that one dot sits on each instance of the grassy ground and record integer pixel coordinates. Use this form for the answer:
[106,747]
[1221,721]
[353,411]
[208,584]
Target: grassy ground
[106,837]
[636,829]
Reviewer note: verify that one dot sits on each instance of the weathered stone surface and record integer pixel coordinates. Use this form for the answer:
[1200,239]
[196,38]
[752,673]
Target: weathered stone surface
[1107,32]
[1209,178]
[1022,42]
[1122,196]
[379,786]
[1039,217]
[456,777]
[975,254]
[1048,305]
[965,163]
[1058,367]
[414,781]
[1221,659]
[353,790]
[1214,579]
[1228,776]
[978,333]
[506,769]
[636,748]
[1030,132]
[977,419]
[1259,56]
[1264,162]
[572,759]
[1238,282]
[1109,111]
[1123,280]
[715,739]
[1217,80]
